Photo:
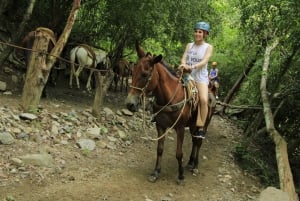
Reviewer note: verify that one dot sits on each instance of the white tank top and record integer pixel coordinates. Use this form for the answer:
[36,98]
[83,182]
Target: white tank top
[195,54]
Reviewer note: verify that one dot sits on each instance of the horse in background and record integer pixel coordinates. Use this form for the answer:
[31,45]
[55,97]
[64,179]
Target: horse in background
[84,56]
[122,72]
[27,43]
[173,108]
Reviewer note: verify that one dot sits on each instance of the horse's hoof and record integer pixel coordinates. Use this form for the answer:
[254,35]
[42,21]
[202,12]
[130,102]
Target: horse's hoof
[152,178]
[195,172]
[180,182]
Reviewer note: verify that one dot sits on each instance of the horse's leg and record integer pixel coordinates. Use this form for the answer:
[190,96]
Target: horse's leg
[76,75]
[116,79]
[159,152]
[126,83]
[53,76]
[194,156]
[72,72]
[88,83]
[121,85]
[179,154]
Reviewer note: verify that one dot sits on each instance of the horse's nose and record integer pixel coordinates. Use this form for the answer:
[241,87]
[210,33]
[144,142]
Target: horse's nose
[131,104]
[130,107]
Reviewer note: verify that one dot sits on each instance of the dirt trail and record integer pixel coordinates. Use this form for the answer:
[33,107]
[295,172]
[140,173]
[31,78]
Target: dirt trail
[121,173]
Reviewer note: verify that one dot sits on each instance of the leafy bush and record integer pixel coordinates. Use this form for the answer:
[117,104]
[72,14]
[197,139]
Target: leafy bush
[258,159]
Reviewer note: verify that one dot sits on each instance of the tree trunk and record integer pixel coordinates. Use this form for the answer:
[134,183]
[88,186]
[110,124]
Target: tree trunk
[236,86]
[103,83]
[37,75]
[98,99]
[284,170]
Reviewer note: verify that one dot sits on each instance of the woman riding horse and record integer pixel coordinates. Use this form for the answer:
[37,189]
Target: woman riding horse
[172,108]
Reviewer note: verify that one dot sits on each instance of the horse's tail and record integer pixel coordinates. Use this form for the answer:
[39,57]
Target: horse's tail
[73,59]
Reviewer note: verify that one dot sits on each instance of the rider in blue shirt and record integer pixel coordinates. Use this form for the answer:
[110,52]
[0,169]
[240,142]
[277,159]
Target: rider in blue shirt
[214,77]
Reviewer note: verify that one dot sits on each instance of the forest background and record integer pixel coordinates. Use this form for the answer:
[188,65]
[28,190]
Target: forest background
[241,31]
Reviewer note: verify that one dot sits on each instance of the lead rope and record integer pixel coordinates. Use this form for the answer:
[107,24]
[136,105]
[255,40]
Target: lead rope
[169,129]
[143,96]
[161,109]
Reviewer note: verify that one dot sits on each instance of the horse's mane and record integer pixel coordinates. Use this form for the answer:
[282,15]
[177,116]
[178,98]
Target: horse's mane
[165,64]
[169,68]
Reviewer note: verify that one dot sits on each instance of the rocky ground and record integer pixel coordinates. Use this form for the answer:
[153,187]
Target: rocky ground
[64,153]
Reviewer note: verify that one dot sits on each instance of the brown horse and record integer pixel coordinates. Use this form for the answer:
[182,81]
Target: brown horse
[172,108]
[122,70]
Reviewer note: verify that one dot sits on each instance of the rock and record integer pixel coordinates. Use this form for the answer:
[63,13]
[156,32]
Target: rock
[108,111]
[273,194]
[122,134]
[6,138]
[16,161]
[28,116]
[93,132]
[3,86]
[86,144]
[44,160]
[127,112]
[22,135]
[54,129]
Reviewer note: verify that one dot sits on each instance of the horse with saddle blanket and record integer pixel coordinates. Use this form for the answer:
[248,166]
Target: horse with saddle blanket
[85,56]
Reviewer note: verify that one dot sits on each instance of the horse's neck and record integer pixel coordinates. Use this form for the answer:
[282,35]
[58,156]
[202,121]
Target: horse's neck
[169,89]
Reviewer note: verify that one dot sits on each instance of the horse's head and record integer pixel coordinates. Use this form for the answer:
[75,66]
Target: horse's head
[143,78]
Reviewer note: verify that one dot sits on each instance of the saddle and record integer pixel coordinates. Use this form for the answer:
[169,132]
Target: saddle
[90,52]
[192,97]
[191,90]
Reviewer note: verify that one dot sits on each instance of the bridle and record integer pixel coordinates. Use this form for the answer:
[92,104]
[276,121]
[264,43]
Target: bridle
[143,91]
[143,96]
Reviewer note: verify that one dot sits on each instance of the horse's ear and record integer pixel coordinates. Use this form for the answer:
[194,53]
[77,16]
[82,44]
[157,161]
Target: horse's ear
[139,50]
[157,59]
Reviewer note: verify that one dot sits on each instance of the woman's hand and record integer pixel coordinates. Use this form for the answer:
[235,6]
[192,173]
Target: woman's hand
[184,67]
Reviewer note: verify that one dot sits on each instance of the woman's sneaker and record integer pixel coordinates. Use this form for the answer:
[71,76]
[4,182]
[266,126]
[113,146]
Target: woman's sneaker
[200,134]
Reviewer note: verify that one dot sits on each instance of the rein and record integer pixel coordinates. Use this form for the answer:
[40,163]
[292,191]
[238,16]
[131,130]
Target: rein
[143,94]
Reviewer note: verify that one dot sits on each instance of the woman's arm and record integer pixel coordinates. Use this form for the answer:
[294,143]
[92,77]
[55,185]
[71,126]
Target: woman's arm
[183,58]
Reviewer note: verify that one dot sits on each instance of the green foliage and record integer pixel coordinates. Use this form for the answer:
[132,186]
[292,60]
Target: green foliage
[261,22]
[89,24]
[34,110]
[85,152]
[259,160]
